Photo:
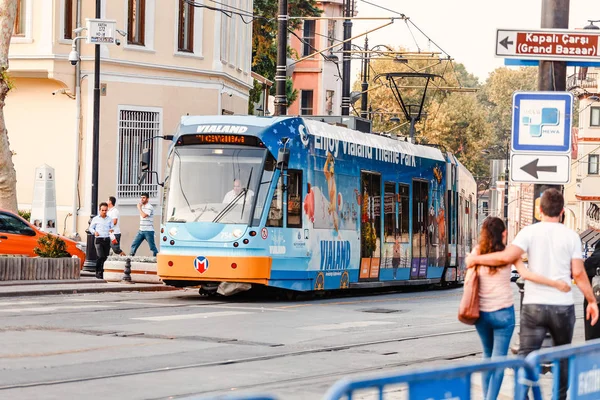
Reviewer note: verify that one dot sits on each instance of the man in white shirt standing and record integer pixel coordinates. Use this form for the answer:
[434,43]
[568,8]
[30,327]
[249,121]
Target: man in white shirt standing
[101,227]
[146,231]
[113,213]
[554,251]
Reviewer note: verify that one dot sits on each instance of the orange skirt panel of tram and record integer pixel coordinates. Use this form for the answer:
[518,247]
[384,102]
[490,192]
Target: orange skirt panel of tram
[230,269]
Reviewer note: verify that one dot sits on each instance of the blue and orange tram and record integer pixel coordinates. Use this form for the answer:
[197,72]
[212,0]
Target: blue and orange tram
[299,204]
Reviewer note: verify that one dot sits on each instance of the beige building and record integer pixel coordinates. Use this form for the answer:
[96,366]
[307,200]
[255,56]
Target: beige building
[583,194]
[174,60]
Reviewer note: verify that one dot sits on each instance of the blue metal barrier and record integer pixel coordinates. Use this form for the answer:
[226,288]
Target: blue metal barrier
[584,370]
[238,397]
[432,384]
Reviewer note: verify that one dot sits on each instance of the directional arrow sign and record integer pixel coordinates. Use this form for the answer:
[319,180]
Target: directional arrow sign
[548,44]
[533,168]
[540,168]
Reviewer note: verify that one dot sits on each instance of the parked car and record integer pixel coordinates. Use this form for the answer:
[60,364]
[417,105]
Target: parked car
[18,236]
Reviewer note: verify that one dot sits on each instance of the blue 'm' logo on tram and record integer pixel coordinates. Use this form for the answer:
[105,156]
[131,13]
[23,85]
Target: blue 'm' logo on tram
[201,264]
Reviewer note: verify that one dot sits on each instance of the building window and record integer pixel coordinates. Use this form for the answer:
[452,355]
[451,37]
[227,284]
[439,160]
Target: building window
[136,22]
[308,38]
[593,164]
[69,19]
[186,27]
[19,28]
[595,116]
[306,102]
[225,35]
[135,127]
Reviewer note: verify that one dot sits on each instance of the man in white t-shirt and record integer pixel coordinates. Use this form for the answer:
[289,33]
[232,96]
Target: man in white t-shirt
[113,213]
[146,231]
[554,251]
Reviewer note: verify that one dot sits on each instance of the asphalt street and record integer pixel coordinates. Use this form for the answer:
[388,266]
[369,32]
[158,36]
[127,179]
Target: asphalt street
[177,344]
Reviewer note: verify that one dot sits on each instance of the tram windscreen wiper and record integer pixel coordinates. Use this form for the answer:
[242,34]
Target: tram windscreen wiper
[229,206]
[246,192]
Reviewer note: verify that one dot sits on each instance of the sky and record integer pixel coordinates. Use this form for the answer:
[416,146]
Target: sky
[464,29]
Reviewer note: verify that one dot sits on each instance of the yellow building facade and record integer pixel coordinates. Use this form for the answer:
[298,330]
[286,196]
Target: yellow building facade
[173,60]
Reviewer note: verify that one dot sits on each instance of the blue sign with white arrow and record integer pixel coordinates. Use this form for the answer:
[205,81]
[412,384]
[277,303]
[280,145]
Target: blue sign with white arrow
[542,122]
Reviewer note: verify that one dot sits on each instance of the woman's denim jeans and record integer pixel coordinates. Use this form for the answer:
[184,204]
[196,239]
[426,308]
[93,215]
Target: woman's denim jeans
[495,330]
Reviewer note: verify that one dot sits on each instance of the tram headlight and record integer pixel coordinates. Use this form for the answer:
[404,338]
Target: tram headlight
[237,233]
[173,232]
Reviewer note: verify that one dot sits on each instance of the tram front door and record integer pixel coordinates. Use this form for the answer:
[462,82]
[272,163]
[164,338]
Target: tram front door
[418,268]
[370,226]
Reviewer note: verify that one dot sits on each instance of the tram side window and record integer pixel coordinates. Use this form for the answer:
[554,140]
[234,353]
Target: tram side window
[275,217]
[389,206]
[403,212]
[294,199]
[294,202]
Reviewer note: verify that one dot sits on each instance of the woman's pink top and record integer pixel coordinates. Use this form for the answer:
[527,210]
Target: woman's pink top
[495,292]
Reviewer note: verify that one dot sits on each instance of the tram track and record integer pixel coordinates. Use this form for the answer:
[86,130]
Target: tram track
[268,386]
[265,357]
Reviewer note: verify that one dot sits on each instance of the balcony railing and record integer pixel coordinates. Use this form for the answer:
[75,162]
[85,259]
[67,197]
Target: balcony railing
[588,81]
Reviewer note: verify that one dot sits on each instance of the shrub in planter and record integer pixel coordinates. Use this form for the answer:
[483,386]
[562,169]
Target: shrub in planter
[25,214]
[51,246]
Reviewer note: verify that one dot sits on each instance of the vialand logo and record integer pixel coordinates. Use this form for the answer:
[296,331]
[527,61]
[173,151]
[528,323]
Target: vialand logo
[201,264]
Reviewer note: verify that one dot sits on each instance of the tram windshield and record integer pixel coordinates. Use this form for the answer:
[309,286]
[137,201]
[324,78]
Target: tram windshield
[210,184]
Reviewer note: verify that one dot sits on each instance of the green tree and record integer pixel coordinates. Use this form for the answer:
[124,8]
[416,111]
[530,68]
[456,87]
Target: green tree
[8,175]
[411,88]
[496,96]
[264,41]
[460,125]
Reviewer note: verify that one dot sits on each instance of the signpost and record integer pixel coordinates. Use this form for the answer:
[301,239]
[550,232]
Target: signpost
[541,138]
[100,31]
[546,44]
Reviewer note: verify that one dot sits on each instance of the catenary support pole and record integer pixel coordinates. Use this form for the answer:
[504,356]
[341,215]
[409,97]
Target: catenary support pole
[281,72]
[348,11]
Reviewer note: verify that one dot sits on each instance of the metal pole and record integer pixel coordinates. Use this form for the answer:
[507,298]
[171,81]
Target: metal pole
[365,81]
[346,62]
[95,147]
[281,72]
[506,184]
[75,207]
[552,75]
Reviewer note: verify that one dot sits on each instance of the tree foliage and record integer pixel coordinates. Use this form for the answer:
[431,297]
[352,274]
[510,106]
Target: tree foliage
[463,123]
[8,175]
[264,40]
[496,96]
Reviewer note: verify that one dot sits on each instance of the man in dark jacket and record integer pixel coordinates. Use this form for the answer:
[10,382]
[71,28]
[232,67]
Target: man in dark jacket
[591,265]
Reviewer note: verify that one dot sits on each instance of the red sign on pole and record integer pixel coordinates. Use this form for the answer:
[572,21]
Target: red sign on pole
[556,45]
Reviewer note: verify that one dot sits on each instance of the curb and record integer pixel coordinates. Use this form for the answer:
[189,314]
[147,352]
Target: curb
[85,281]
[124,288]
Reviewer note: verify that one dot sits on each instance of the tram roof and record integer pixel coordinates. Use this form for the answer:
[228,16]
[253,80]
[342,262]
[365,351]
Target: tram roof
[322,129]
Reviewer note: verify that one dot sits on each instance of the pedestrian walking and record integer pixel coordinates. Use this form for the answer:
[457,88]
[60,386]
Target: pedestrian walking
[554,251]
[146,231]
[496,321]
[114,215]
[592,264]
[101,227]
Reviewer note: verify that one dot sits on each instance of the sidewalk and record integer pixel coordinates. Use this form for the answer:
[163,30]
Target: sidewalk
[86,284]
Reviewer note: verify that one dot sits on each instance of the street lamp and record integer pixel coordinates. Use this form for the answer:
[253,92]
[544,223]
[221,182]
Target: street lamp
[91,256]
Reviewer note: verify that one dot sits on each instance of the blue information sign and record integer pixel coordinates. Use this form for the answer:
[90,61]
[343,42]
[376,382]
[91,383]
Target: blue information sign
[542,122]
